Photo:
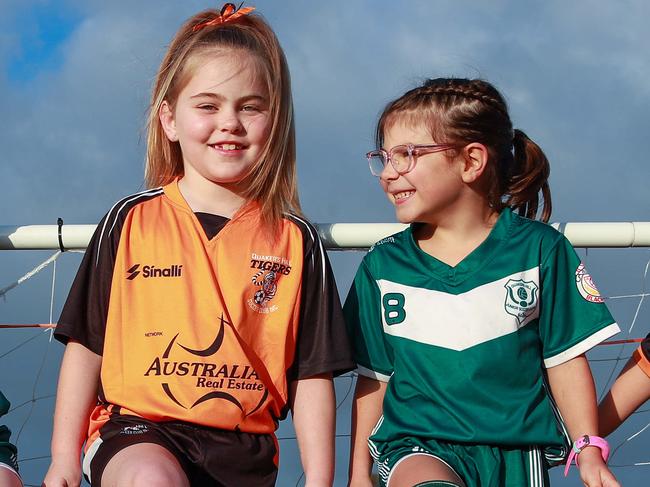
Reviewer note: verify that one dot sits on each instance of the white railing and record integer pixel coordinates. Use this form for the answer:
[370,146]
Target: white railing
[336,236]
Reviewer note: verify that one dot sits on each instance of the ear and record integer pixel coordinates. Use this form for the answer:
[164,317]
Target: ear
[475,159]
[166,117]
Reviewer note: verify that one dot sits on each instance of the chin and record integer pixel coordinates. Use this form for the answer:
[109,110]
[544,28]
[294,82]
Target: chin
[404,218]
[227,178]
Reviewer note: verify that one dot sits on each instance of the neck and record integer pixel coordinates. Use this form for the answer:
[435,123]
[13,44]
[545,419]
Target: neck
[207,197]
[453,237]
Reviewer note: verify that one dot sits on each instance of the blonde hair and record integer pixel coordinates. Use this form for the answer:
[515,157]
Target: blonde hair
[272,179]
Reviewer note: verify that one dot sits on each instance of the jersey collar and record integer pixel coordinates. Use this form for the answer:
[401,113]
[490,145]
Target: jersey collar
[477,259]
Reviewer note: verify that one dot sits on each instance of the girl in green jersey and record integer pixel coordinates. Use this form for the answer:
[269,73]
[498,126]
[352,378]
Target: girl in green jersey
[470,326]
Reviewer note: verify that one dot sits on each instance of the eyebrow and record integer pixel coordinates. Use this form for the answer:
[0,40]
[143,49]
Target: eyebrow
[217,96]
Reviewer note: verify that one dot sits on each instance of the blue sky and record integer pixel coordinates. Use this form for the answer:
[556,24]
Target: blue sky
[75,82]
[40,44]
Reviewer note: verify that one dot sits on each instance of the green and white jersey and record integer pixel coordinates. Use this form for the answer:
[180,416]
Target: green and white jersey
[464,348]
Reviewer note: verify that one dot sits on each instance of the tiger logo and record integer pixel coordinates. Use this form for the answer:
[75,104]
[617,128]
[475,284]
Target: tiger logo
[268,284]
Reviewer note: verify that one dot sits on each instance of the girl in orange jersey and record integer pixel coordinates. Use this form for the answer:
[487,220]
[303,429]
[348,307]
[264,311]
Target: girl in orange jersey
[205,307]
[631,389]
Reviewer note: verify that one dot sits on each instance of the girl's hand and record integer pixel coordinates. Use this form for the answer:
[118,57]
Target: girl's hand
[594,471]
[63,474]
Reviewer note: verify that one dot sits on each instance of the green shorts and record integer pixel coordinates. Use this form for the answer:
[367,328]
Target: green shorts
[477,465]
[8,451]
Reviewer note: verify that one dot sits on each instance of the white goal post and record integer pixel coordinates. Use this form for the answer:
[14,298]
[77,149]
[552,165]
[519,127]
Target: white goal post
[335,236]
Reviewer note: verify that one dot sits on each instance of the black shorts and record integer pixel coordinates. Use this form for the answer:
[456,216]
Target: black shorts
[208,456]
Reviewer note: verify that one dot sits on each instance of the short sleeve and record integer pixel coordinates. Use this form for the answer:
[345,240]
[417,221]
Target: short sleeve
[573,315]
[84,314]
[641,355]
[644,348]
[373,355]
[322,344]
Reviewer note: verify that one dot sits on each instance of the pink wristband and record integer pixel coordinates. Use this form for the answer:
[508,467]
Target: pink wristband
[583,442]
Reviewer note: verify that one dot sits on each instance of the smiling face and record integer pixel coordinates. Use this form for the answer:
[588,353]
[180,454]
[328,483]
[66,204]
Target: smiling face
[432,188]
[220,118]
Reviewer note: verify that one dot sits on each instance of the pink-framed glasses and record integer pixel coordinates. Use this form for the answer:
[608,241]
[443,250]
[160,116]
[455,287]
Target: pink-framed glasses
[402,157]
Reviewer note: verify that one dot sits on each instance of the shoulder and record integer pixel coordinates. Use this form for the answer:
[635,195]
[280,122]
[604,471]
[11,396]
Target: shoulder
[388,246]
[310,236]
[121,208]
[536,234]
[108,231]
[535,228]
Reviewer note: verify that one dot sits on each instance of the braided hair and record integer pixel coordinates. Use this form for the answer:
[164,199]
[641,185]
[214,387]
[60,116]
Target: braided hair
[460,111]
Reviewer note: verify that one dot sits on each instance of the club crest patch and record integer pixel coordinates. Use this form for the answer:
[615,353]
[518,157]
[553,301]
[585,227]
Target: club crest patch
[586,286]
[270,268]
[267,284]
[268,287]
[521,298]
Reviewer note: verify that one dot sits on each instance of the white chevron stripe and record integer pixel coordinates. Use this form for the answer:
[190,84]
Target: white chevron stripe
[458,321]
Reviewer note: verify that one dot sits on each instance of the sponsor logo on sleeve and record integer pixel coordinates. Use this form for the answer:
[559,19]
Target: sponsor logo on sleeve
[586,286]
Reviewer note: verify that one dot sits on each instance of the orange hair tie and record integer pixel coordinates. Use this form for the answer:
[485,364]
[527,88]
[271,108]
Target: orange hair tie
[228,13]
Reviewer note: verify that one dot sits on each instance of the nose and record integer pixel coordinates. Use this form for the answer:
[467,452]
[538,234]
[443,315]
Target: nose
[229,122]
[388,173]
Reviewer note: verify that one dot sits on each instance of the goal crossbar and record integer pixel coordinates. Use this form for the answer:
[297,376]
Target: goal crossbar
[335,236]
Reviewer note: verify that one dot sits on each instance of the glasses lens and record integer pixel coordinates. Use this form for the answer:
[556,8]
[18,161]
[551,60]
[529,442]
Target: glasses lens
[377,163]
[400,157]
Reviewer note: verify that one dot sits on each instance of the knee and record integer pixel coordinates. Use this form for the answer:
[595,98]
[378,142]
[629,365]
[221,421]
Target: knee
[156,476]
[144,465]
[9,478]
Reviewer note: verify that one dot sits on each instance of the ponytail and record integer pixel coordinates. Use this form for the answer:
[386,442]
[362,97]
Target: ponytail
[460,111]
[528,178]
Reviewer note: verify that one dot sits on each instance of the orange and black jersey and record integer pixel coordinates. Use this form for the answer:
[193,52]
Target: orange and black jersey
[203,319]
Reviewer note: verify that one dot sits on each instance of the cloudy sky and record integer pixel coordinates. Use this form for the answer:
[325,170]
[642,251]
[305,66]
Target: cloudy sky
[76,77]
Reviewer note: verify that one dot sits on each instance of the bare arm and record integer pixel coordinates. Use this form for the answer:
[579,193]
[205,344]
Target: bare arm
[366,410]
[573,388]
[76,396]
[314,410]
[631,389]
